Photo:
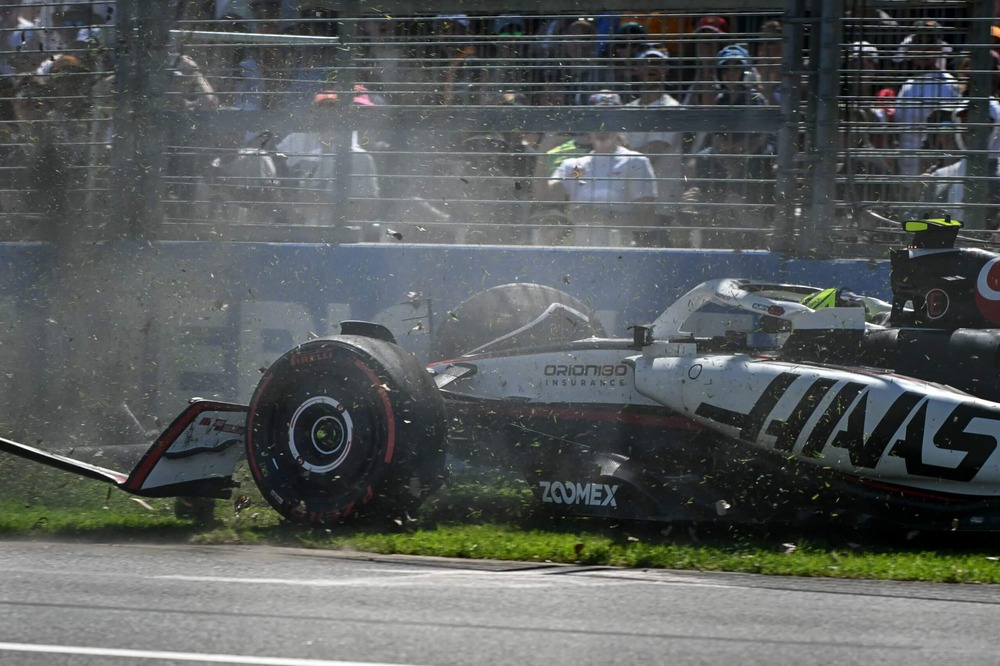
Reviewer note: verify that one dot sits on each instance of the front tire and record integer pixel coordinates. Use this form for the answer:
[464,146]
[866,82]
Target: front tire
[346,427]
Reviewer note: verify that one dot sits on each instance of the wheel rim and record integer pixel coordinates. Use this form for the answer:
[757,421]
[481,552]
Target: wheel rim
[320,434]
[322,429]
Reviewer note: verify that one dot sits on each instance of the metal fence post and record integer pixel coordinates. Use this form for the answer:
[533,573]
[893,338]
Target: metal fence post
[826,50]
[345,61]
[980,124]
[788,164]
[139,122]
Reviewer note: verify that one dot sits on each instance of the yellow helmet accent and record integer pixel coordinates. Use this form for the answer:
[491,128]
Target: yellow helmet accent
[939,223]
[824,299]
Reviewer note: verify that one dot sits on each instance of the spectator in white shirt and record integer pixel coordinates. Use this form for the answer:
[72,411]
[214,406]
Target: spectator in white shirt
[927,91]
[611,187]
[310,159]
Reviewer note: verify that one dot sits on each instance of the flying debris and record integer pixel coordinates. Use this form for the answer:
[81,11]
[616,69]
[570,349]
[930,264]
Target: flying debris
[794,403]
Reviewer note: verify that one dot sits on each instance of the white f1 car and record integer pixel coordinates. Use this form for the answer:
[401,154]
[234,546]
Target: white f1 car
[744,402]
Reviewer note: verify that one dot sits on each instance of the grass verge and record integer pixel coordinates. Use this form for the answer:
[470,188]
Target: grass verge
[482,518]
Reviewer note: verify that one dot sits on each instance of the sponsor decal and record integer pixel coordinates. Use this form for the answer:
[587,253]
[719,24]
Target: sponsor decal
[221,425]
[591,494]
[586,383]
[311,357]
[988,291]
[773,310]
[581,375]
[936,302]
[608,370]
[971,428]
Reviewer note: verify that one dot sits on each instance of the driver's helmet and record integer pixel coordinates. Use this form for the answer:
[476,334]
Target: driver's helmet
[834,297]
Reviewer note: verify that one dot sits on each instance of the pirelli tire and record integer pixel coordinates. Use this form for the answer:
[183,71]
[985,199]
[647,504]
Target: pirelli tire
[500,310]
[343,428]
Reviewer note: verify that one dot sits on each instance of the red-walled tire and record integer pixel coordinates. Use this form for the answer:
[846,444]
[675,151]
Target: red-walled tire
[346,427]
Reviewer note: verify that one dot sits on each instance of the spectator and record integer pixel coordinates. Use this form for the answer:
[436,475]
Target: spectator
[500,63]
[960,117]
[553,149]
[553,53]
[42,29]
[767,51]
[80,22]
[386,57]
[944,181]
[189,89]
[666,31]
[81,29]
[234,70]
[448,72]
[244,183]
[20,41]
[237,76]
[379,50]
[271,57]
[864,174]
[927,90]
[733,189]
[863,91]
[873,25]
[485,186]
[709,40]
[608,188]
[310,163]
[480,192]
[703,88]
[733,175]
[307,67]
[926,31]
[663,149]
[545,41]
[964,68]
[54,113]
[630,39]
[579,72]
[32,102]
[738,81]
[946,141]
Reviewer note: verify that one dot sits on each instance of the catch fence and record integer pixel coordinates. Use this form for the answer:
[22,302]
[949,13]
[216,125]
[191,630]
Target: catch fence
[798,126]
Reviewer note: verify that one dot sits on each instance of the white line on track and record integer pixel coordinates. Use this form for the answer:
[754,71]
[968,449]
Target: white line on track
[179,656]
[477,579]
[472,578]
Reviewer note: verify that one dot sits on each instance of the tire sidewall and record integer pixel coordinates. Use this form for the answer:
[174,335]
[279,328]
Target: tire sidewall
[324,386]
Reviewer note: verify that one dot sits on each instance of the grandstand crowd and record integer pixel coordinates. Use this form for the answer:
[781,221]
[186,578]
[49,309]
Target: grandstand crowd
[904,104]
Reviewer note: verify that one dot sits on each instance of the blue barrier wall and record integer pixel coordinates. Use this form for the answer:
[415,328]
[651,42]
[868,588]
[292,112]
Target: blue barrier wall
[24,273]
[210,315]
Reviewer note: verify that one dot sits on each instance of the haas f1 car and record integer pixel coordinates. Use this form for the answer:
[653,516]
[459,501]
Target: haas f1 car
[744,401]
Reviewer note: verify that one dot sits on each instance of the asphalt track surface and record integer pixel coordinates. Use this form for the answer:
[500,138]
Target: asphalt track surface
[151,605]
